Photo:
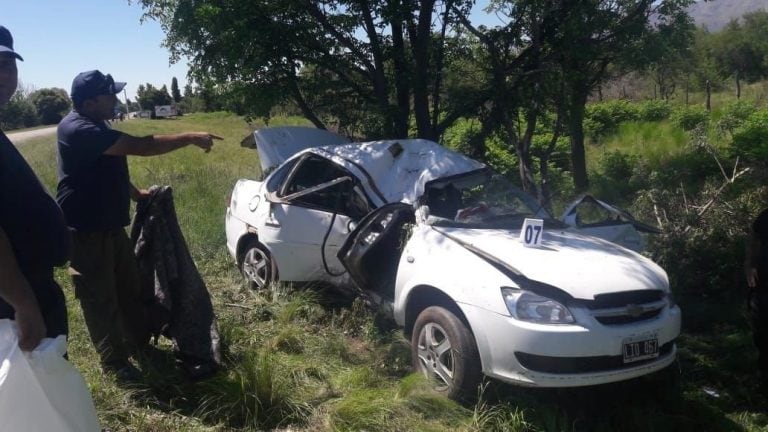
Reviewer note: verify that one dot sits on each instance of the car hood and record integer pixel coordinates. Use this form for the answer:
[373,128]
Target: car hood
[276,145]
[580,265]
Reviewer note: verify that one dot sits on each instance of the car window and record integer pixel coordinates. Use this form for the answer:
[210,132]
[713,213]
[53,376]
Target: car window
[279,175]
[333,194]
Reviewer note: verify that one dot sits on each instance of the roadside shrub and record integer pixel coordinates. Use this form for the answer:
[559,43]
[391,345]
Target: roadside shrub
[457,137]
[654,110]
[751,138]
[701,252]
[689,117]
[613,180]
[603,118]
[500,156]
[734,115]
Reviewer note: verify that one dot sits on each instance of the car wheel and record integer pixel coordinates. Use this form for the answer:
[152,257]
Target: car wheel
[257,266]
[444,350]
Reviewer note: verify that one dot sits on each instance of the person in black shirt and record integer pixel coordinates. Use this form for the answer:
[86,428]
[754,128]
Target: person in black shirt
[94,192]
[33,236]
[756,269]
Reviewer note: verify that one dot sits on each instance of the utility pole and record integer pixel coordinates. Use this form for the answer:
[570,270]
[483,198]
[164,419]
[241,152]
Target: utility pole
[127,107]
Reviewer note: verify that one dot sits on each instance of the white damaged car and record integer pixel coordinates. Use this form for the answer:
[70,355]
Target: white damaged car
[480,277]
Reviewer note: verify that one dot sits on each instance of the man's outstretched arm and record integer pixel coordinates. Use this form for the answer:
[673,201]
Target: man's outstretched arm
[152,145]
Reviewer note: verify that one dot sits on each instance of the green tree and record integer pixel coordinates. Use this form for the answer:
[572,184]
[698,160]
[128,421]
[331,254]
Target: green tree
[592,36]
[19,112]
[740,49]
[175,93]
[148,96]
[51,104]
[381,59]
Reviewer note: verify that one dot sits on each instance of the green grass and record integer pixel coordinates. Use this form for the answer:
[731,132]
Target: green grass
[301,360]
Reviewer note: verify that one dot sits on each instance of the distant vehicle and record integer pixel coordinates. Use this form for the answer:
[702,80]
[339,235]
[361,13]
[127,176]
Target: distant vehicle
[480,277]
[163,111]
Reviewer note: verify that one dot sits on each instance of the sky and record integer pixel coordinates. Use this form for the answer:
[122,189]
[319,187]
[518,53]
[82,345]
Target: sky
[61,38]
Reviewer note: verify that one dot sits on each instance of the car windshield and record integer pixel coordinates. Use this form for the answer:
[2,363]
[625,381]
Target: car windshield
[481,200]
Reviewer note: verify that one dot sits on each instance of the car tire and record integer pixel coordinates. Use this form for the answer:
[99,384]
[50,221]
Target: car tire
[445,351]
[257,266]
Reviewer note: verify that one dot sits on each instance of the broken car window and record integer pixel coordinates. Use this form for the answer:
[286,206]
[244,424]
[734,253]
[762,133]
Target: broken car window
[329,188]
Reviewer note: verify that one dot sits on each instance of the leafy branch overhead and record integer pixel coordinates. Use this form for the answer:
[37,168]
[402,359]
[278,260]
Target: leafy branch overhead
[398,68]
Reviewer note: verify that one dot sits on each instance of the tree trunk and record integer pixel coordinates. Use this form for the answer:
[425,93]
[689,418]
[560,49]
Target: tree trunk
[578,154]
[738,85]
[421,73]
[402,87]
[305,108]
[709,96]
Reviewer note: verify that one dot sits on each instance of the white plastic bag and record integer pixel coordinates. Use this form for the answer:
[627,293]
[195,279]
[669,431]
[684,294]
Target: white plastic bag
[40,391]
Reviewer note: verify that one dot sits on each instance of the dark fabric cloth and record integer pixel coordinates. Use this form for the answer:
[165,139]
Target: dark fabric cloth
[760,228]
[37,233]
[182,308]
[106,282]
[94,188]
[758,314]
[758,297]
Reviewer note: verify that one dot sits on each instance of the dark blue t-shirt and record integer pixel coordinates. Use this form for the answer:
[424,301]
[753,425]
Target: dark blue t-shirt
[94,188]
[29,216]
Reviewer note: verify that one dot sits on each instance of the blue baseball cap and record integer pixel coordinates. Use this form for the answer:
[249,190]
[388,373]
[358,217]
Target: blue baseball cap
[6,43]
[88,85]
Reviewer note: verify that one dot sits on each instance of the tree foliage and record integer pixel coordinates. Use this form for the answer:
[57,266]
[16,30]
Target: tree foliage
[51,104]
[148,96]
[175,92]
[19,112]
[403,68]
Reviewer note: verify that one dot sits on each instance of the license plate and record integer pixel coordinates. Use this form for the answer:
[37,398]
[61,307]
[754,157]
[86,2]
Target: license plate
[640,348]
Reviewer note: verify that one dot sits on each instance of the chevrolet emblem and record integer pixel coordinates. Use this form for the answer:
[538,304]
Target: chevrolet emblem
[634,310]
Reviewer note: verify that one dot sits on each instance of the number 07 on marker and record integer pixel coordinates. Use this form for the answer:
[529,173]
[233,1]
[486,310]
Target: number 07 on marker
[532,232]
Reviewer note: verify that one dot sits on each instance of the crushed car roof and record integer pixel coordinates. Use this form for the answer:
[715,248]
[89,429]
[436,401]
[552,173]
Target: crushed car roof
[399,169]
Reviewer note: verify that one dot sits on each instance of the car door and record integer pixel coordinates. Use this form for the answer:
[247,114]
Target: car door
[371,253]
[599,219]
[310,215]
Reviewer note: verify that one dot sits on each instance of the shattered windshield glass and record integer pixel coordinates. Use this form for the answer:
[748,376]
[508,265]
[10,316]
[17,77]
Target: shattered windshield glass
[481,200]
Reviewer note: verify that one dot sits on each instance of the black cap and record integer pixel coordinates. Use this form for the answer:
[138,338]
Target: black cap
[6,43]
[88,85]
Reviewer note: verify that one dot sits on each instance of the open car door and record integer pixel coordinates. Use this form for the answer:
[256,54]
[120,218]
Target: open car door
[593,217]
[371,253]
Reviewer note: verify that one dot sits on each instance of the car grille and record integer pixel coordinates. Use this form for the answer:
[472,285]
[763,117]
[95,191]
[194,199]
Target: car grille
[626,307]
[575,365]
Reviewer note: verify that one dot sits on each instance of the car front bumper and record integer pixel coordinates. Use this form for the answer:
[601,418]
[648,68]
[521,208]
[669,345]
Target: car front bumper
[587,353]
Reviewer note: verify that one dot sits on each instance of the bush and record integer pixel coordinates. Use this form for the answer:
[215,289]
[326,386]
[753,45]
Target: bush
[654,110]
[501,157]
[734,115]
[701,254]
[689,117]
[751,138]
[18,113]
[614,179]
[604,118]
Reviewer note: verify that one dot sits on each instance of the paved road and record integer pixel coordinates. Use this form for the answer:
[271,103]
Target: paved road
[19,137]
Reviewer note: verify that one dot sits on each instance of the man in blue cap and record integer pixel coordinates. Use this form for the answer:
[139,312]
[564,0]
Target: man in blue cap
[33,235]
[94,192]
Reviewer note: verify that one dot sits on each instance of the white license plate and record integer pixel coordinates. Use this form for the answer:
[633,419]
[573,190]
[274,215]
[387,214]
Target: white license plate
[640,348]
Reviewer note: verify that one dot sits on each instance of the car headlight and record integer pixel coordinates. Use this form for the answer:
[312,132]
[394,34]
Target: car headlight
[527,306]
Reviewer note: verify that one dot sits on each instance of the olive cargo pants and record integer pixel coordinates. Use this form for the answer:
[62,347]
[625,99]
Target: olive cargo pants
[106,281]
